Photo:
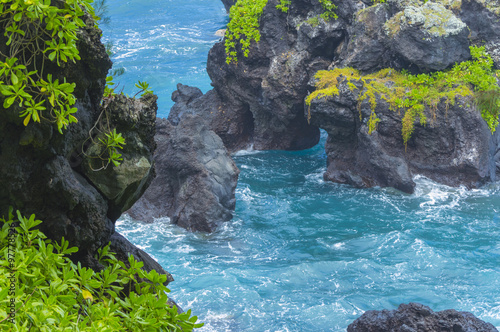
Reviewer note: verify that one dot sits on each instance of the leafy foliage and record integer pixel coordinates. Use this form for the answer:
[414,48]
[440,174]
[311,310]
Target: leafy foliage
[54,294]
[38,32]
[243,26]
[329,8]
[417,93]
[284,5]
[144,88]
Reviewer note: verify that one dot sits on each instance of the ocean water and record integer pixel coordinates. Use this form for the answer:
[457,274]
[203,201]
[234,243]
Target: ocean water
[302,254]
[162,42]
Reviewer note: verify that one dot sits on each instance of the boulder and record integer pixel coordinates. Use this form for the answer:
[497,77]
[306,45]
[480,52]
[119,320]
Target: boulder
[415,317]
[196,177]
[123,185]
[233,126]
[367,49]
[406,35]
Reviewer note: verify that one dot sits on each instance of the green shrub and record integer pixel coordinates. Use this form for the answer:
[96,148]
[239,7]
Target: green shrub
[415,94]
[48,292]
[38,32]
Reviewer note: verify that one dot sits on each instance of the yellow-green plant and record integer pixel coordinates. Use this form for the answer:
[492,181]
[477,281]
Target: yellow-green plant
[284,5]
[38,32]
[243,27]
[418,95]
[41,289]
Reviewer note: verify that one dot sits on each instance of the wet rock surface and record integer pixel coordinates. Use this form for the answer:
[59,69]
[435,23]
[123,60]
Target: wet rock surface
[415,317]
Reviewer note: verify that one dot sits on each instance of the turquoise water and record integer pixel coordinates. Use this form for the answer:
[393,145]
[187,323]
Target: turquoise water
[163,42]
[302,254]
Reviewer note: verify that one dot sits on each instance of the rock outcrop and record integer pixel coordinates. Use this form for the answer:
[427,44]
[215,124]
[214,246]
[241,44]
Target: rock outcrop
[415,317]
[123,185]
[261,97]
[455,148]
[256,101]
[406,34]
[55,177]
[235,128]
[196,177]
[228,4]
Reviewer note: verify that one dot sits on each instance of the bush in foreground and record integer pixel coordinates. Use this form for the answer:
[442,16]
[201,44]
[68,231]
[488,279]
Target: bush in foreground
[41,289]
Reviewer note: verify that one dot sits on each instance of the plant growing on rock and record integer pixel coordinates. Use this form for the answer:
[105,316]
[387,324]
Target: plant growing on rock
[418,94]
[39,32]
[105,142]
[243,26]
[49,292]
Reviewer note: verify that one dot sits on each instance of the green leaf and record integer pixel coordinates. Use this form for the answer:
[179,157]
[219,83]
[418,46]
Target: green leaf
[9,101]
[18,16]
[52,56]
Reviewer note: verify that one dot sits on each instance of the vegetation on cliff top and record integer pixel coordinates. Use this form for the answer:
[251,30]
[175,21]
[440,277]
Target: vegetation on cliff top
[418,94]
[243,27]
[41,289]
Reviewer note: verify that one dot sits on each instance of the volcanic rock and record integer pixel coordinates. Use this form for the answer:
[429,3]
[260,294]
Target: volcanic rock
[196,177]
[415,317]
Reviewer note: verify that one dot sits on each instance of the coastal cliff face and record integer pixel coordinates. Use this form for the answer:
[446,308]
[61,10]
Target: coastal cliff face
[455,148]
[258,101]
[60,177]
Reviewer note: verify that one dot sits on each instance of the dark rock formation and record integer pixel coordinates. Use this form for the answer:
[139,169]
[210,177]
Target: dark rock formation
[48,174]
[262,95]
[233,127]
[455,148]
[414,317]
[123,185]
[406,34]
[258,100]
[196,177]
[228,4]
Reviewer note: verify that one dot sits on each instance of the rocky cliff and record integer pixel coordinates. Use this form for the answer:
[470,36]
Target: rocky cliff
[259,100]
[65,179]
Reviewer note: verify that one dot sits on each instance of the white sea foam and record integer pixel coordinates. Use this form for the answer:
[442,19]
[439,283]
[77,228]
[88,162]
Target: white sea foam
[246,152]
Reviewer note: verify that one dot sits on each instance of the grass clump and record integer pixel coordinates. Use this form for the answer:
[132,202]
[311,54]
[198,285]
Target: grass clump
[41,289]
[417,94]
